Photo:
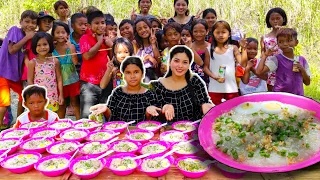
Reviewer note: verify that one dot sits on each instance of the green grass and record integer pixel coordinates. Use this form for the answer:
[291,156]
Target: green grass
[247,15]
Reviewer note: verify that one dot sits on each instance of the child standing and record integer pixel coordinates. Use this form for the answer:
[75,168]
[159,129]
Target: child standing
[11,60]
[70,77]
[199,30]
[250,81]
[210,16]
[35,100]
[45,71]
[94,48]
[45,21]
[122,48]
[221,67]
[275,19]
[148,51]
[291,71]
[61,8]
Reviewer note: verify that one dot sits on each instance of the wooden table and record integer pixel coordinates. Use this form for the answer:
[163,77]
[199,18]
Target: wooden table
[312,172]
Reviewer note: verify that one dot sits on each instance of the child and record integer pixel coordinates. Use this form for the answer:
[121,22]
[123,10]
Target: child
[221,67]
[61,8]
[112,30]
[291,71]
[126,29]
[161,41]
[45,71]
[147,44]
[11,60]
[275,19]
[70,77]
[156,24]
[128,102]
[108,17]
[94,48]
[35,100]
[122,48]
[210,16]
[250,81]
[79,25]
[45,21]
[199,30]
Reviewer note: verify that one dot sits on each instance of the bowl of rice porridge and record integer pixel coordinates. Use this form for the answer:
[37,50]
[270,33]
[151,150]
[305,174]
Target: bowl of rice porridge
[74,134]
[122,164]
[154,166]
[53,165]
[21,162]
[116,126]
[185,126]
[15,133]
[263,132]
[192,166]
[101,135]
[87,167]
[152,126]
[9,143]
[45,132]
[173,137]
[125,146]
[154,147]
[63,147]
[94,148]
[141,136]
[36,144]
[61,125]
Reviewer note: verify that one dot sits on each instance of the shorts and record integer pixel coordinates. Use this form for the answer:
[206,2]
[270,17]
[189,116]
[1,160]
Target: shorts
[5,86]
[71,90]
[217,97]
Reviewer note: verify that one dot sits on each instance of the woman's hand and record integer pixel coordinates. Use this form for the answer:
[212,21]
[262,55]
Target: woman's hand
[153,110]
[168,111]
[98,109]
[206,107]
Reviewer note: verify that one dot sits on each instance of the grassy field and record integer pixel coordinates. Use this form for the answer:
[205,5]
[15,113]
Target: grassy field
[247,15]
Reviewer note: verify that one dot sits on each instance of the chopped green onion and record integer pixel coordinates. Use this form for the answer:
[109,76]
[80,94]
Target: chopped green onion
[251,154]
[228,138]
[242,135]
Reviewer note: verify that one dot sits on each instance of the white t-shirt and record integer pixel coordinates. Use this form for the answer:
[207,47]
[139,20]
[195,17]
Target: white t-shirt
[227,60]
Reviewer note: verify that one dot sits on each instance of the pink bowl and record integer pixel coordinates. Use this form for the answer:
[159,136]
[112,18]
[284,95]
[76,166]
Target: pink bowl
[122,172]
[86,176]
[68,121]
[13,148]
[77,139]
[60,142]
[195,144]
[52,173]
[207,142]
[126,140]
[184,122]
[34,133]
[191,174]
[186,137]
[162,143]
[23,169]
[97,154]
[5,133]
[3,157]
[234,175]
[38,150]
[158,173]
[86,128]
[145,122]
[194,135]
[140,131]
[112,135]
[26,125]
[120,130]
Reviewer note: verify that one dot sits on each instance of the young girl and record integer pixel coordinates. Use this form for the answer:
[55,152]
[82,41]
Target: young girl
[275,19]
[122,48]
[180,94]
[144,6]
[147,44]
[199,30]
[210,16]
[128,102]
[156,24]
[221,67]
[70,77]
[291,71]
[61,8]
[45,71]
[250,81]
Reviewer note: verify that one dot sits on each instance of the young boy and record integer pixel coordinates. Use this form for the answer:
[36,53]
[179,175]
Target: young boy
[291,71]
[112,30]
[45,21]
[11,60]
[94,48]
[61,8]
[35,100]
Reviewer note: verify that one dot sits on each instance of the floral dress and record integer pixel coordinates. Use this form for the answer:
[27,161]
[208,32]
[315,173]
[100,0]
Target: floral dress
[45,75]
[271,42]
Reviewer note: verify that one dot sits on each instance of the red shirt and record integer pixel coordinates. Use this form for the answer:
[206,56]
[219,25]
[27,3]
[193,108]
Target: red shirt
[30,57]
[92,70]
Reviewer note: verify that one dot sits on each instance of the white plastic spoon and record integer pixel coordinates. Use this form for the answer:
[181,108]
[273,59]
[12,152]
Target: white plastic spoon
[207,162]
[105,154]
[5,152]
[195,122]
[74,154]
[112,140]
[158,127]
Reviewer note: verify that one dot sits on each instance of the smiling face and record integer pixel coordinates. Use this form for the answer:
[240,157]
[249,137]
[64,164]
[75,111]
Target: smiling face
[60,34]
[133,75]
[181,7]
[45,24]
[173,37]
[221,33]
[28,24]
[143,30]
[286,43]
[36,104]
[43,47]
[179,64]
[145,6]
[211,19]
[199,32]
[126,31]
[98,25]
[252,50]
[111,30]
[62,11]
[121,52]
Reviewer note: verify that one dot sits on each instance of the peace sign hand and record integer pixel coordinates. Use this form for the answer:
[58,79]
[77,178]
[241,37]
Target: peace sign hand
[197,16]
[133,14]
[68,43]
[153,38]
[243,41]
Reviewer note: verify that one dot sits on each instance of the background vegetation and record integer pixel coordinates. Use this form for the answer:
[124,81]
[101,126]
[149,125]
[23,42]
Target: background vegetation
[247,15]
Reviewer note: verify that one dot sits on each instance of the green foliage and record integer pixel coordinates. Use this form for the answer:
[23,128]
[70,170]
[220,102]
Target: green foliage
[247,15]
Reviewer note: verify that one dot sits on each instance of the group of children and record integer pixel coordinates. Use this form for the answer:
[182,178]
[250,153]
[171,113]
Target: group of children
[79,61]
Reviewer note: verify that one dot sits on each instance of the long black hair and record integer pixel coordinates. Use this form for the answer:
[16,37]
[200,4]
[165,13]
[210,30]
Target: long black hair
[125,42]
[136,35]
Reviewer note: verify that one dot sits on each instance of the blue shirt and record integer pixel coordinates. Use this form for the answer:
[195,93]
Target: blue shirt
[77,46]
